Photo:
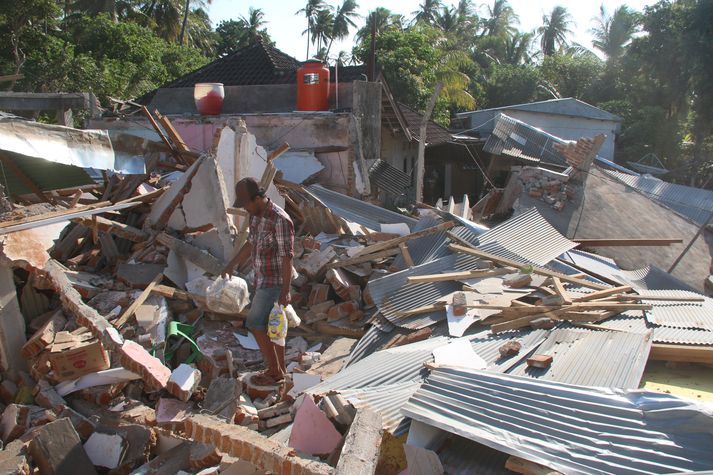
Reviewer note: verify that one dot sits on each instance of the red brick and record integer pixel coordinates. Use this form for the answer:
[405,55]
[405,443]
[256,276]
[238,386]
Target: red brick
[311,243]
[135,358]
[318,294]
[342,310]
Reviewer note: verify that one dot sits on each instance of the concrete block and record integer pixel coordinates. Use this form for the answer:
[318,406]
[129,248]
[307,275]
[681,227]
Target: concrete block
[183,382]
[14,422]
[360,453]
[13,459]
[57,450]
[105,449]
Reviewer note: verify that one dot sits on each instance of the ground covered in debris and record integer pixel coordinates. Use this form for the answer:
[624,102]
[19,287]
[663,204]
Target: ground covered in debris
[426,343]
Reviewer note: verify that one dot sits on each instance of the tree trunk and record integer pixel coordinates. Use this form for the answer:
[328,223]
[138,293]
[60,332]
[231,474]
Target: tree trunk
[420,162]
[185,22]
[307,40]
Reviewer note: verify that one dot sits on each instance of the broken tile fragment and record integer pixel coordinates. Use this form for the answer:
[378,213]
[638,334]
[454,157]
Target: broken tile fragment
[312,432]
[135,358]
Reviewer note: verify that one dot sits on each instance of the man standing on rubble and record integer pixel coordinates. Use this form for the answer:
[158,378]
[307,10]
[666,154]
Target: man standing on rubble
[271,248]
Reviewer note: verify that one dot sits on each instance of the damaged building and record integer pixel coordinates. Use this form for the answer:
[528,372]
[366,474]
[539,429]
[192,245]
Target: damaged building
[538,331]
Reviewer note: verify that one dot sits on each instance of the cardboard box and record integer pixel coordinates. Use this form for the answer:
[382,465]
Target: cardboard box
[73,356]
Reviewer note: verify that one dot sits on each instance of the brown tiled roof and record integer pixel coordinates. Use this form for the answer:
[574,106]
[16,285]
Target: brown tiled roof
[258,64]
[435,134]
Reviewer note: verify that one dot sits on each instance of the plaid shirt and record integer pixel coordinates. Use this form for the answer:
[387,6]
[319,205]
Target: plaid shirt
[271,236]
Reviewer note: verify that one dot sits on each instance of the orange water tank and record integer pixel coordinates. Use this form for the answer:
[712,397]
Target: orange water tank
[313,86]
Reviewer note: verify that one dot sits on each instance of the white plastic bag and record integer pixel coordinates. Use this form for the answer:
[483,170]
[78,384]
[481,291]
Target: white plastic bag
[227,295]
[277,325]
[293,320]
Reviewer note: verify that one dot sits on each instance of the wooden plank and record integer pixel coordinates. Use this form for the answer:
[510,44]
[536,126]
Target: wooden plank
[329,329]
[278,151]
[129,312]
[516,264]
[681,353]
[560,290]
[525,467]
[419,310]
[449,276]
[406,254]
[669,298]
[626,242]
[521,322]
[112,227]
[380,246]
[175,137]
[178,199]
[458,240]
[171,292]
[603,293]
[158,130]
[361,259]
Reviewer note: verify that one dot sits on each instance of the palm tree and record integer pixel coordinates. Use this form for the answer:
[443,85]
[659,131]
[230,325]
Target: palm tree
[448,20]
[554,30]
[311,10]
[342,21]
[614,32]
[384,19]
[517,48]
[199,4]
[253,22]
[501,19]
[427,11]
[322,28]
[465,10]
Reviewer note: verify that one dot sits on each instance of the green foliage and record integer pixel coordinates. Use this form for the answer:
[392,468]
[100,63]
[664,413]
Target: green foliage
[572,75]
[509,84]
[233,35]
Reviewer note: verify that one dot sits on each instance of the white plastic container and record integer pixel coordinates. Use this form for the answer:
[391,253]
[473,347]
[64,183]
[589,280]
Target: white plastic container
[209,97]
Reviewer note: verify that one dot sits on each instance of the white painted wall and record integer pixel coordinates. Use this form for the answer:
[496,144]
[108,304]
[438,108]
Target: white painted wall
[12,324]
[571,128]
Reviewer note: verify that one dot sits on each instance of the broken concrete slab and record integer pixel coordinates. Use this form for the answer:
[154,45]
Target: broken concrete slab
[13,459]
[183,382]
[333,357]
[310,421]
[222,398]
[105,449]
[171,411]
[138,276]
[298,167]
[360,453]
[302,382]
[57,450]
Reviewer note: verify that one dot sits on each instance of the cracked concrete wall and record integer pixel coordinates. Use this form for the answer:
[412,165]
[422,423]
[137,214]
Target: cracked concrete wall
[12,324]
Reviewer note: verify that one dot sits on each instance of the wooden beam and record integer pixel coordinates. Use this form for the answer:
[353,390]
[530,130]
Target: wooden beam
[178,199]
[112,227]
[419,310]
[406,255]
[681,353]
[603,293]
[121,321]
[171,132]
[560,290]
[380,246]
[449,276]
[626,242]
[171,292]
[536,269]
[361,259]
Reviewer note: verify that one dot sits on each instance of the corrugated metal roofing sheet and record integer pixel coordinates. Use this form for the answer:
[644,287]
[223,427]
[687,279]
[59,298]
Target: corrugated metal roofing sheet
[358,211]
[47,175]
[392,294]
[694,203]
[634,322]
[527,235]
[387,399]
[678,314]
[592,358]
[568,428]
[389,178]
[520,140]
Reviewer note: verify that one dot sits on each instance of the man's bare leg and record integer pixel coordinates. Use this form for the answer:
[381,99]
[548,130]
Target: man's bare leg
[280,355]
[271,360]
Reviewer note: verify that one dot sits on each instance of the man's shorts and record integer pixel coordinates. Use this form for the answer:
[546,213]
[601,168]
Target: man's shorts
[263,301]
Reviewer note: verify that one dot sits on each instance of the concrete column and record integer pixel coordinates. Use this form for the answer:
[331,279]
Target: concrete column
[12,324]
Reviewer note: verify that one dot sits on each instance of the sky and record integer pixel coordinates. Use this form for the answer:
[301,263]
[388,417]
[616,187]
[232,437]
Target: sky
[285,27]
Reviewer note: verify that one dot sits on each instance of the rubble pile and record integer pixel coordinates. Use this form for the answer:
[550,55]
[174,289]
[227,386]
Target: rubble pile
[135,362]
